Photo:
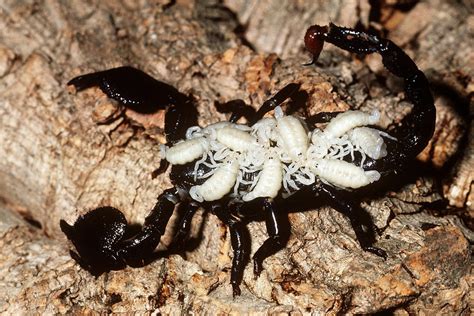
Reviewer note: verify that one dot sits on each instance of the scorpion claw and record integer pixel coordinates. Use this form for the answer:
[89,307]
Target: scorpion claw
[131,87]
[85,81]
[94,236]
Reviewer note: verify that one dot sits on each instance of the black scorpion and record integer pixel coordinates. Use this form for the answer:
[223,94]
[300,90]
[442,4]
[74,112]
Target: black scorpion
[101,236]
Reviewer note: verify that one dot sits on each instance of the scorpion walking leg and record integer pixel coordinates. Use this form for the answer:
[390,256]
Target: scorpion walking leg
[360,220]
[274,101]
[178,118]
[278,231]
[238,108]
[240,240]
[164,164]
[184,226]
[321,117]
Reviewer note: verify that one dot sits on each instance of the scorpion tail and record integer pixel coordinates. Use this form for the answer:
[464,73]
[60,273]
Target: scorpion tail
[417,128]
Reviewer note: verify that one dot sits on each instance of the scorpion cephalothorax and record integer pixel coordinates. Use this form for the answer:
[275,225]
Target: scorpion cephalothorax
[226,167]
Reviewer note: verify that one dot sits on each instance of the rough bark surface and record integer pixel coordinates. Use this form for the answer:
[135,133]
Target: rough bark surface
[57,162]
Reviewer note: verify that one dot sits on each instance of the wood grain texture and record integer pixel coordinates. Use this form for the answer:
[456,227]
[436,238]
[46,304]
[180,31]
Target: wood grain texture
[57,162]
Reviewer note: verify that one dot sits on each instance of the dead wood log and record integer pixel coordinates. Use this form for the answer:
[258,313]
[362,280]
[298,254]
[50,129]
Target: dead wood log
[57,163]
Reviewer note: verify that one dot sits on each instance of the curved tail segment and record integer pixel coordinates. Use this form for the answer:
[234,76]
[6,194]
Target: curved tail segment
[417,128]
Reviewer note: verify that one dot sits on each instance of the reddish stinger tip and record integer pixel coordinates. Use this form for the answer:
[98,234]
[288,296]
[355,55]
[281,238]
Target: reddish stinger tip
[314,40]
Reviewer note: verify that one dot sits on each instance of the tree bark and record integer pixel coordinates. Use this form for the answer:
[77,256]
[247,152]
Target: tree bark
[58,162]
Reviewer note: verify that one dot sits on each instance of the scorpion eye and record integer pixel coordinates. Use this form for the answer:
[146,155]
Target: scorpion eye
[314,39]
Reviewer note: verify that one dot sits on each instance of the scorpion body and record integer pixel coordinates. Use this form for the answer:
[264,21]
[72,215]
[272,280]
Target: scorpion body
[227,167]
[249,162]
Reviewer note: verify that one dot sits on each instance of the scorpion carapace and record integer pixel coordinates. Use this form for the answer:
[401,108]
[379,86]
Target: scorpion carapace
[228,167]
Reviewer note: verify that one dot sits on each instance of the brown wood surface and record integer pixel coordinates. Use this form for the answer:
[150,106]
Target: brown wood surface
[57,162]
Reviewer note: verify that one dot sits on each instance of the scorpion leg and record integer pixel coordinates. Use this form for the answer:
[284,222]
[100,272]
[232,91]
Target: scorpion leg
[238,108]
[240,240]
[184,226]
[274,101]
[278,234]
[360,220]
[98,236]
[178,118]
[417,128]
[164,164]
[321,117]
[297,103]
